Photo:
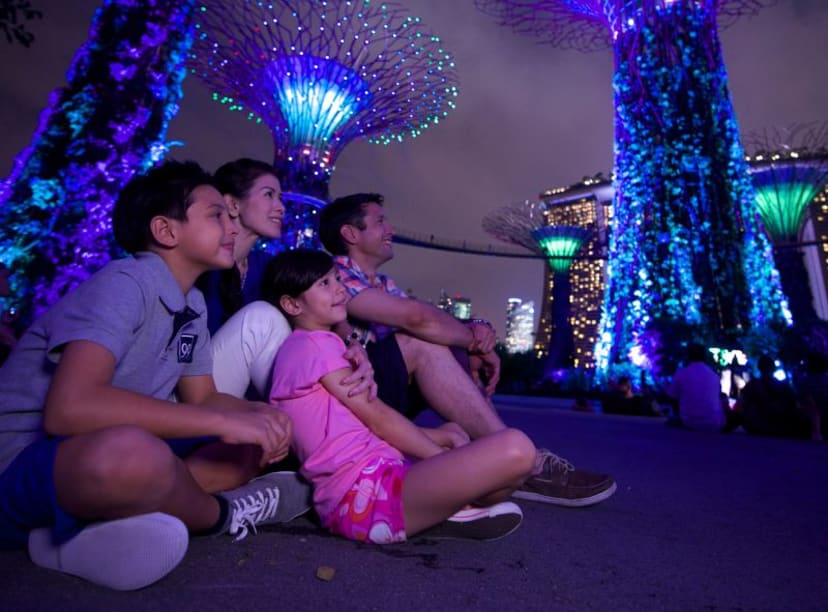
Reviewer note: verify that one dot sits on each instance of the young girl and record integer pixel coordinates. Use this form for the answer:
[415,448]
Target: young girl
[354,450]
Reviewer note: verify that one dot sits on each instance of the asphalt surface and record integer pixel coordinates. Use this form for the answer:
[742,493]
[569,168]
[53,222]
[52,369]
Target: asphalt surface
[700,521]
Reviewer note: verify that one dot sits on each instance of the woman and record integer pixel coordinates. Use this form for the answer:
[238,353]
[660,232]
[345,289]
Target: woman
[254,198]
[246,332]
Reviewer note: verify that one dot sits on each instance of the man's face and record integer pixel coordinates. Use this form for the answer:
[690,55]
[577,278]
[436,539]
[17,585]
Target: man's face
[375,240]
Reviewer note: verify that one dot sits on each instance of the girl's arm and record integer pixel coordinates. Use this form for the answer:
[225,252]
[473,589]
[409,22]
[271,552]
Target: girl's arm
[384,421]
[448,435]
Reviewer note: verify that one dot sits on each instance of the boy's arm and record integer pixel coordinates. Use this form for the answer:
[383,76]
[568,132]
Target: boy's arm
[81,399]
[421,320]
[384,421]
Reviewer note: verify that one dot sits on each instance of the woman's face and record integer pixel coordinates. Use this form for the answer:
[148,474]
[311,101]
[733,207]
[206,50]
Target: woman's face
[262,211]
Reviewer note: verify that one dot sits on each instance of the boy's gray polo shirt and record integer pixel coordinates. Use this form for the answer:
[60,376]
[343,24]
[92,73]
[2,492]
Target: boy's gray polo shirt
[129,308]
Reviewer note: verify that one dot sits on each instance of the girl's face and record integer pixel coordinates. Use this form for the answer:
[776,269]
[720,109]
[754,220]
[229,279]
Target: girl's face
[323,304]
[261,211]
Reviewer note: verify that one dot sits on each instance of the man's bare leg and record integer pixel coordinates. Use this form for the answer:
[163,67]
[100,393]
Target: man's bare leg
[447,388]
[452,394]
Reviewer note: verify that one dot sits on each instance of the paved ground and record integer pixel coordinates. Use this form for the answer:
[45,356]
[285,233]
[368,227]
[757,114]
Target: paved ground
[699,522]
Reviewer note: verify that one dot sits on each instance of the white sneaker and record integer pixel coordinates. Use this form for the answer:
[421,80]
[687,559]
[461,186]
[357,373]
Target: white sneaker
[276,497]
[123,554]
[478,523]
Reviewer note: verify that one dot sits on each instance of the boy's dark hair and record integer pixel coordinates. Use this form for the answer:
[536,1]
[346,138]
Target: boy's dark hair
[293,272]
[347,210]
[165,190]
[237,177]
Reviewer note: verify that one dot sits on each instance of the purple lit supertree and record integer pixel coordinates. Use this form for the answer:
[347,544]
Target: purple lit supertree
[789,168]
[526,225]
[686,243]
[319,74]
[106,124]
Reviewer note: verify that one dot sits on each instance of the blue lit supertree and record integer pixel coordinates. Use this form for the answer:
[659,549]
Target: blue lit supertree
[526,225]
[687,243]
[318,74]
[789,168]
[107,123]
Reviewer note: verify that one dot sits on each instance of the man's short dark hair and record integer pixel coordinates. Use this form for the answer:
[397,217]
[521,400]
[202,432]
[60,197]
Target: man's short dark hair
[347,210]
[293,272]
[166,190]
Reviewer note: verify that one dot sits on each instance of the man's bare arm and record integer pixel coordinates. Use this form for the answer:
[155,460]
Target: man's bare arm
[415,317]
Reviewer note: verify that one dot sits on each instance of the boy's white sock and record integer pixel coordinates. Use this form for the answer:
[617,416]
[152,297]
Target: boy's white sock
[123,554]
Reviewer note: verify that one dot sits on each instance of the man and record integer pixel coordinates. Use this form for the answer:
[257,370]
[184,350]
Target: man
[409,339]
[697,391]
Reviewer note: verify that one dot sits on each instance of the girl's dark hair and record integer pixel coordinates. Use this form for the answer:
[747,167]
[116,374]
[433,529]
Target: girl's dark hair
[237,177]
[293,272]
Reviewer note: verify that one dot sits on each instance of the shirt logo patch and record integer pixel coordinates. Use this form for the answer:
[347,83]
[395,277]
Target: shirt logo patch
[186,347]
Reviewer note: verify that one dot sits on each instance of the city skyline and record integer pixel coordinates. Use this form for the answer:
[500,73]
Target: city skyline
[529,117]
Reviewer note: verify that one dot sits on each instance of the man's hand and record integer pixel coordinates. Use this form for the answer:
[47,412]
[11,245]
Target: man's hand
[484,338]
[485,370]
[362,378]
[264,426]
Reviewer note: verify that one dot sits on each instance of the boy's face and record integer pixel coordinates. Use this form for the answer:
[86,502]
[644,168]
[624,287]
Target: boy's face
[375,240]
[207,237]
[323,304]
[262,211]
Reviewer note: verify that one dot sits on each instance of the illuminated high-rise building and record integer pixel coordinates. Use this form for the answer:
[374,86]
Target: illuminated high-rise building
[816,255]
[457,306]
[520,326]
[588,205]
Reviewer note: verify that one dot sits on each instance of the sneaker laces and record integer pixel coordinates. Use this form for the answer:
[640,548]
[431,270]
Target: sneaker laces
[251,510]
[553,463]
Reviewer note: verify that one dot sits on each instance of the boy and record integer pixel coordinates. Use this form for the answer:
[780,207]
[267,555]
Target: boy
[99,473]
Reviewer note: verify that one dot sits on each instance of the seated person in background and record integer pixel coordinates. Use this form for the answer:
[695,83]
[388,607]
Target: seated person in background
[697,391]
[409,340]
[768,406]
[353,450]
[623,400]
[812,394]
[100,475]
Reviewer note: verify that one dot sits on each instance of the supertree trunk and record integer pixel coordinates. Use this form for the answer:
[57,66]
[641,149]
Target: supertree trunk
[687,243]
[106,124]
[562,346]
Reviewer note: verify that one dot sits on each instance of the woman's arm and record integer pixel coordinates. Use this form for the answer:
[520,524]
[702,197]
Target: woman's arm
[381,419]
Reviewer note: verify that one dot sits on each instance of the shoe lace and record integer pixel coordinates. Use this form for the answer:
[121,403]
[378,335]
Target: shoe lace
[251,510]
[553,463]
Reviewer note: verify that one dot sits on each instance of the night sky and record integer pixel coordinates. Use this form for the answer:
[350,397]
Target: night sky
[528,117]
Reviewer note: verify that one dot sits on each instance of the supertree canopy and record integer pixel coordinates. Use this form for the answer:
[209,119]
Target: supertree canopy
[789,168]
[686,243]
[106,124]
[526,225]
[320,73]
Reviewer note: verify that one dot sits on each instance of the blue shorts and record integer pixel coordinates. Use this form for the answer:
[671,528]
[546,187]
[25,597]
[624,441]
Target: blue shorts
[27,492]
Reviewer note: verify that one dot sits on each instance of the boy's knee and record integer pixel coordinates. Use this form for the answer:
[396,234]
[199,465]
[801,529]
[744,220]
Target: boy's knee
[125,455]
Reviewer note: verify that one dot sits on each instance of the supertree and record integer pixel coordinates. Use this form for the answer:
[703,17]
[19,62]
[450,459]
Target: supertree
[526,225]
[319,74]
[789,168]
[106,124]
[686,243]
